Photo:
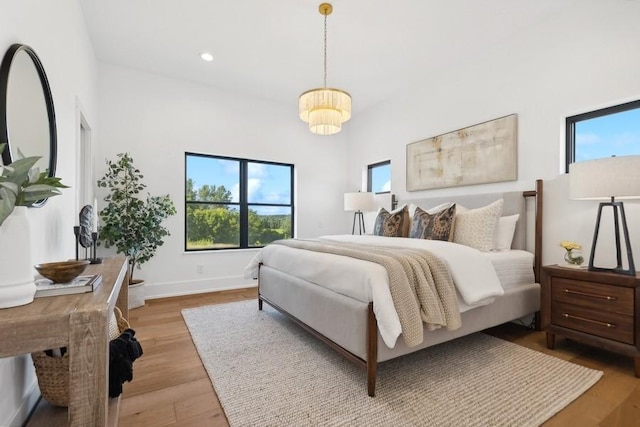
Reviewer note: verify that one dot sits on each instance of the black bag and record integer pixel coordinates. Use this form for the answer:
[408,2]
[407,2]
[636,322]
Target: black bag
[122,352]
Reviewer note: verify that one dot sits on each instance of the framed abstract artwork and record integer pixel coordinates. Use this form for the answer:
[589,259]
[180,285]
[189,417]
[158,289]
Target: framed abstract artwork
[478,154]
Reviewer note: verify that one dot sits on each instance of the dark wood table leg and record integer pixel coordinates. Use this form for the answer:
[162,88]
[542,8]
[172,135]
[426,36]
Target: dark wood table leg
[636,366]
[551,340]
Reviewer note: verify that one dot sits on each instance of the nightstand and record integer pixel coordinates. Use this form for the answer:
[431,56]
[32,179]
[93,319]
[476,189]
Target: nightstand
[595,308]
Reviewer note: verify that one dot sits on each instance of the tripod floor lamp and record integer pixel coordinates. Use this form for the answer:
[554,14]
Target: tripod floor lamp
[609,178]
[358,203]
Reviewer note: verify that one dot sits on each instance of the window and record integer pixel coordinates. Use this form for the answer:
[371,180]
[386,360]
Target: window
[613,131]
[236,203]
[379,177]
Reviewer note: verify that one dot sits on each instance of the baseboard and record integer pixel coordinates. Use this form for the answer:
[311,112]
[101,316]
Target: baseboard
[29,402]
[174,289]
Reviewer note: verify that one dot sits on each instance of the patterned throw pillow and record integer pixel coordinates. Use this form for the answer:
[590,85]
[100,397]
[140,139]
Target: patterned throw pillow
[437,226]
[476,227]
[392,224]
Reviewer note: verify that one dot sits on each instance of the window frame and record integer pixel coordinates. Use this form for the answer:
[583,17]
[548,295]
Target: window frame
[370,169]
[243,204]
[570,126]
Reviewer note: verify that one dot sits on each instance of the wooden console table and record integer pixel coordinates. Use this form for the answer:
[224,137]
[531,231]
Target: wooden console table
[81,323]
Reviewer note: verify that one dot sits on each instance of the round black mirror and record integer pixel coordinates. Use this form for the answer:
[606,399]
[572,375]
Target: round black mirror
[27,117]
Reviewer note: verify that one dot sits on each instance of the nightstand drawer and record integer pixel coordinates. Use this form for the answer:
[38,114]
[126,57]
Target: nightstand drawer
[610,325]
[594,296]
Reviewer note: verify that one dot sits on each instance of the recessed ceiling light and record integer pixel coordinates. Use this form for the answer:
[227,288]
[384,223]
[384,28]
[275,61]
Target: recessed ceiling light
[206,56]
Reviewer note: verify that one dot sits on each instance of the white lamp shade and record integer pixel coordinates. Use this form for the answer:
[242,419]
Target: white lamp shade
[359,202]
[599,179]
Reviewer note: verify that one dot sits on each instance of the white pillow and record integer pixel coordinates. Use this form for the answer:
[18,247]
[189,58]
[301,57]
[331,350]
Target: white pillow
[476,227]
[504,232]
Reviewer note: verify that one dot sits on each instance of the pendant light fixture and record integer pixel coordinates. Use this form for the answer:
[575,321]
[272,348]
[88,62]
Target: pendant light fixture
[325,109]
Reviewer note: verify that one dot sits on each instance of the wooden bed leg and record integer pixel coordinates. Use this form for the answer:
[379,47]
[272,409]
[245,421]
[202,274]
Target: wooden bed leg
[538,321]
[372,351]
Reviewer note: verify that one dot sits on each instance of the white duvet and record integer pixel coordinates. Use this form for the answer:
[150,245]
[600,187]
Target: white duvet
[472,272]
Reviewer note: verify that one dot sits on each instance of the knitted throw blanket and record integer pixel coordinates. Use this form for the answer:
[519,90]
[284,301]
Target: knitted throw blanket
[421,286]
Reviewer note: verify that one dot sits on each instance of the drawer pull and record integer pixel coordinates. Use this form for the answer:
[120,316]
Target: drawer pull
[586,294]
[584,319]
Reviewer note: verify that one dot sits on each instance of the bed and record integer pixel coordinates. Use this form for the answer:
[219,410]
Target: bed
[353,322]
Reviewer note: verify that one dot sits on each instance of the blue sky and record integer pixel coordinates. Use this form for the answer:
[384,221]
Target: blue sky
[267,183]
[381,179]
[617,134]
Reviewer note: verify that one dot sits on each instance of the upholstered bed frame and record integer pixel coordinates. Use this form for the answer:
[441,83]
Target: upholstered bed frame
[349,326]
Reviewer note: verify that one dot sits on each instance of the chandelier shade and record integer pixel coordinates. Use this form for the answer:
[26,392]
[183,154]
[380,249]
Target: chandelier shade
[325,109]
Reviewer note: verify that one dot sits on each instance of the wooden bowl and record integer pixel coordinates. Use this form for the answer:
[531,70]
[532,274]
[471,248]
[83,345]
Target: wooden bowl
[63,271]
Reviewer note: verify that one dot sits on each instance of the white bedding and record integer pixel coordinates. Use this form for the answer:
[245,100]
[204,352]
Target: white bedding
[472,272]
[513,267]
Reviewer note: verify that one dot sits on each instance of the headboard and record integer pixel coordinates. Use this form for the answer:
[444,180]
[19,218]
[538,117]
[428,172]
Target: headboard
[514,203]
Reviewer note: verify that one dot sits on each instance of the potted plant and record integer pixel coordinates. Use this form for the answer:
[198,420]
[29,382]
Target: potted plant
[131,223]
[21,186]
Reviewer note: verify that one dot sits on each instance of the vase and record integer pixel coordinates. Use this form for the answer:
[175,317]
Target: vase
[17,286]
[574,257]
[137,297]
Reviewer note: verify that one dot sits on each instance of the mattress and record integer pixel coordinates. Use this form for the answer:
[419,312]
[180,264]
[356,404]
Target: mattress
[513,267]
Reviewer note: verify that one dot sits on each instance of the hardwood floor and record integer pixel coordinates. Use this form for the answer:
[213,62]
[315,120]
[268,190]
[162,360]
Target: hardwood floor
[171,387]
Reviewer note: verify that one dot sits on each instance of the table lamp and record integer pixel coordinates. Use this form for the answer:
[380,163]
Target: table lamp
[358,202]
[608,178]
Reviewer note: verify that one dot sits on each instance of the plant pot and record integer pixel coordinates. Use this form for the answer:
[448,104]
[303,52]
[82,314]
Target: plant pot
[136,294]
[16,281]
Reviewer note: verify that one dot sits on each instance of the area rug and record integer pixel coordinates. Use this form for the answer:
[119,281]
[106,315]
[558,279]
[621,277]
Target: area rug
[268,371]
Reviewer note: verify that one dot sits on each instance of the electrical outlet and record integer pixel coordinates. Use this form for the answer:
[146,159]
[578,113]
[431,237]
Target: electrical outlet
[200,268]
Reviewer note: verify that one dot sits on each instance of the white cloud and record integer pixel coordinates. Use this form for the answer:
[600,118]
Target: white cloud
[257,170]
[229,167]
[271,210]
[275,197]
[253,189]
[587,139]
[235,192]
[386,186]
[625,139]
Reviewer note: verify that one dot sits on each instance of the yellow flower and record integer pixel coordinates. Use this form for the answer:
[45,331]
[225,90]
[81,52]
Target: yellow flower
[568,245]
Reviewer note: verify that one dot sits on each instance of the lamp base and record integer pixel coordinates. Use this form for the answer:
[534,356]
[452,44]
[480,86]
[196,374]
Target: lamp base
[359,217]
[618,217]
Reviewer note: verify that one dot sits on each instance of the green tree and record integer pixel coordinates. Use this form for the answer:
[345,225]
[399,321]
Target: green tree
[130,223]
[191,193]
[212,193]
[214,224]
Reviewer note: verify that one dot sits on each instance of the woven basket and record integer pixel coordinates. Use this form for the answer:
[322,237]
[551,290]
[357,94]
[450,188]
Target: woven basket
[53,372]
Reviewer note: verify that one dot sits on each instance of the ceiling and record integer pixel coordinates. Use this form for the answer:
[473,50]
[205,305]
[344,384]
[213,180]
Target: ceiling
[272,49]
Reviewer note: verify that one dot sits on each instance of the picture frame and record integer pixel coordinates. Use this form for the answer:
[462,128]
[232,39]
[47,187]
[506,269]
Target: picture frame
[479,154]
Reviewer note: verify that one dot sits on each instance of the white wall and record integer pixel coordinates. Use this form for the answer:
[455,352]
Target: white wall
[56,31]
[581,59]
[157,119]
[576,61]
